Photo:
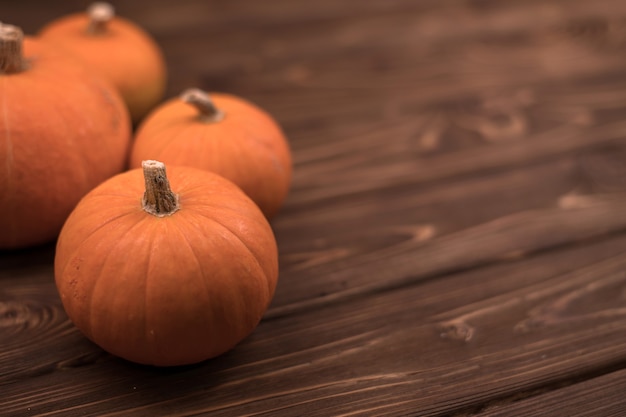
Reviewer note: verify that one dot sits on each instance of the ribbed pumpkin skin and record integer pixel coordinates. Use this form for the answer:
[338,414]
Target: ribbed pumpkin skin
[126,55]
[63,130]
[169,290]
[247,146]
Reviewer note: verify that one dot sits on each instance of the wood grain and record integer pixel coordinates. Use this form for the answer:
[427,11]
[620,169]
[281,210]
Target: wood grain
[597,396]
[453,242]
[412,260]
[538,328]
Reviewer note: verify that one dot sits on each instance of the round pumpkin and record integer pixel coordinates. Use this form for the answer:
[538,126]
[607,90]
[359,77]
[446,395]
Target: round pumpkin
[175,277]
[117,49]
[63,130]
[224,134]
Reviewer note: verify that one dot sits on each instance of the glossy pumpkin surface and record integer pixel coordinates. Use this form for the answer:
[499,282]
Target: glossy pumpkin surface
[243,144]
[120,51]
[168,290]
[63,130]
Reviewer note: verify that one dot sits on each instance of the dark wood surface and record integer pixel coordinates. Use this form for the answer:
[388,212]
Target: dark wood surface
[454,243]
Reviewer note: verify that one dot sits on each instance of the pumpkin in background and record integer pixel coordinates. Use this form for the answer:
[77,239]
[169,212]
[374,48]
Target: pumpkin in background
[63,130]
[117,49]
[171,279]
[224,134]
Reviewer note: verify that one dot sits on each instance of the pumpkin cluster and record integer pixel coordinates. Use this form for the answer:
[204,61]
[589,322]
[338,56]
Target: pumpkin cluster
[161,209]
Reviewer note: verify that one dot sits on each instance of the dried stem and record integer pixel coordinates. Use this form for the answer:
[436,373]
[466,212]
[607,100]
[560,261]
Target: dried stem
[100,13]
[158,200]
[11,55]
[202,101]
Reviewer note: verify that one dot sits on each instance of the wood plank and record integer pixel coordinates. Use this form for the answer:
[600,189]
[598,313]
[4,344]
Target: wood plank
[413,260]
[372,65]
[600,396]
[555,317]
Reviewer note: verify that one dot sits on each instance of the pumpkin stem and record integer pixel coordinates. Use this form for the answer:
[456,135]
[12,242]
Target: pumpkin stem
[158,200]
[11,56]
[100,13]
[202,101]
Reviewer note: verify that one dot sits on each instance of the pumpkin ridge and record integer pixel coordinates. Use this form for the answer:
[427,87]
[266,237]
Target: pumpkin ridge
[89,235]
[213,145]
[222,207]
[268,279]
[258,153]
[106,151]
[93,231]
[50,73]
[230,233]
[239,150]
[9,146]
[73,144]
[252,136]
[167,140]
[234,211]
[50,78]
[263,276]
[149,125]
[99,280]
[146,292]
[174,144]
[92,291]
[273,152]
[250,185]
[197,259]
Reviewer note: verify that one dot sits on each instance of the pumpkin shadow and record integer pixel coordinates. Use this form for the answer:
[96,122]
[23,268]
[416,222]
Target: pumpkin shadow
[152,388]
[36,256]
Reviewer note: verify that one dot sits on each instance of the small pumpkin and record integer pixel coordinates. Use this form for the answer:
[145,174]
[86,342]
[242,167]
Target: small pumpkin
[224,134]
[63,130]
[170,278]
[117,49]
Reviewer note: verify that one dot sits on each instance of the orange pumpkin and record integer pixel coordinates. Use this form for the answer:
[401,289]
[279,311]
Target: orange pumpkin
[117,49]
[63,130]
[224,134]
[169,279]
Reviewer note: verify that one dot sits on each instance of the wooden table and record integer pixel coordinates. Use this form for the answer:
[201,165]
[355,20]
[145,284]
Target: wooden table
[454,242]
